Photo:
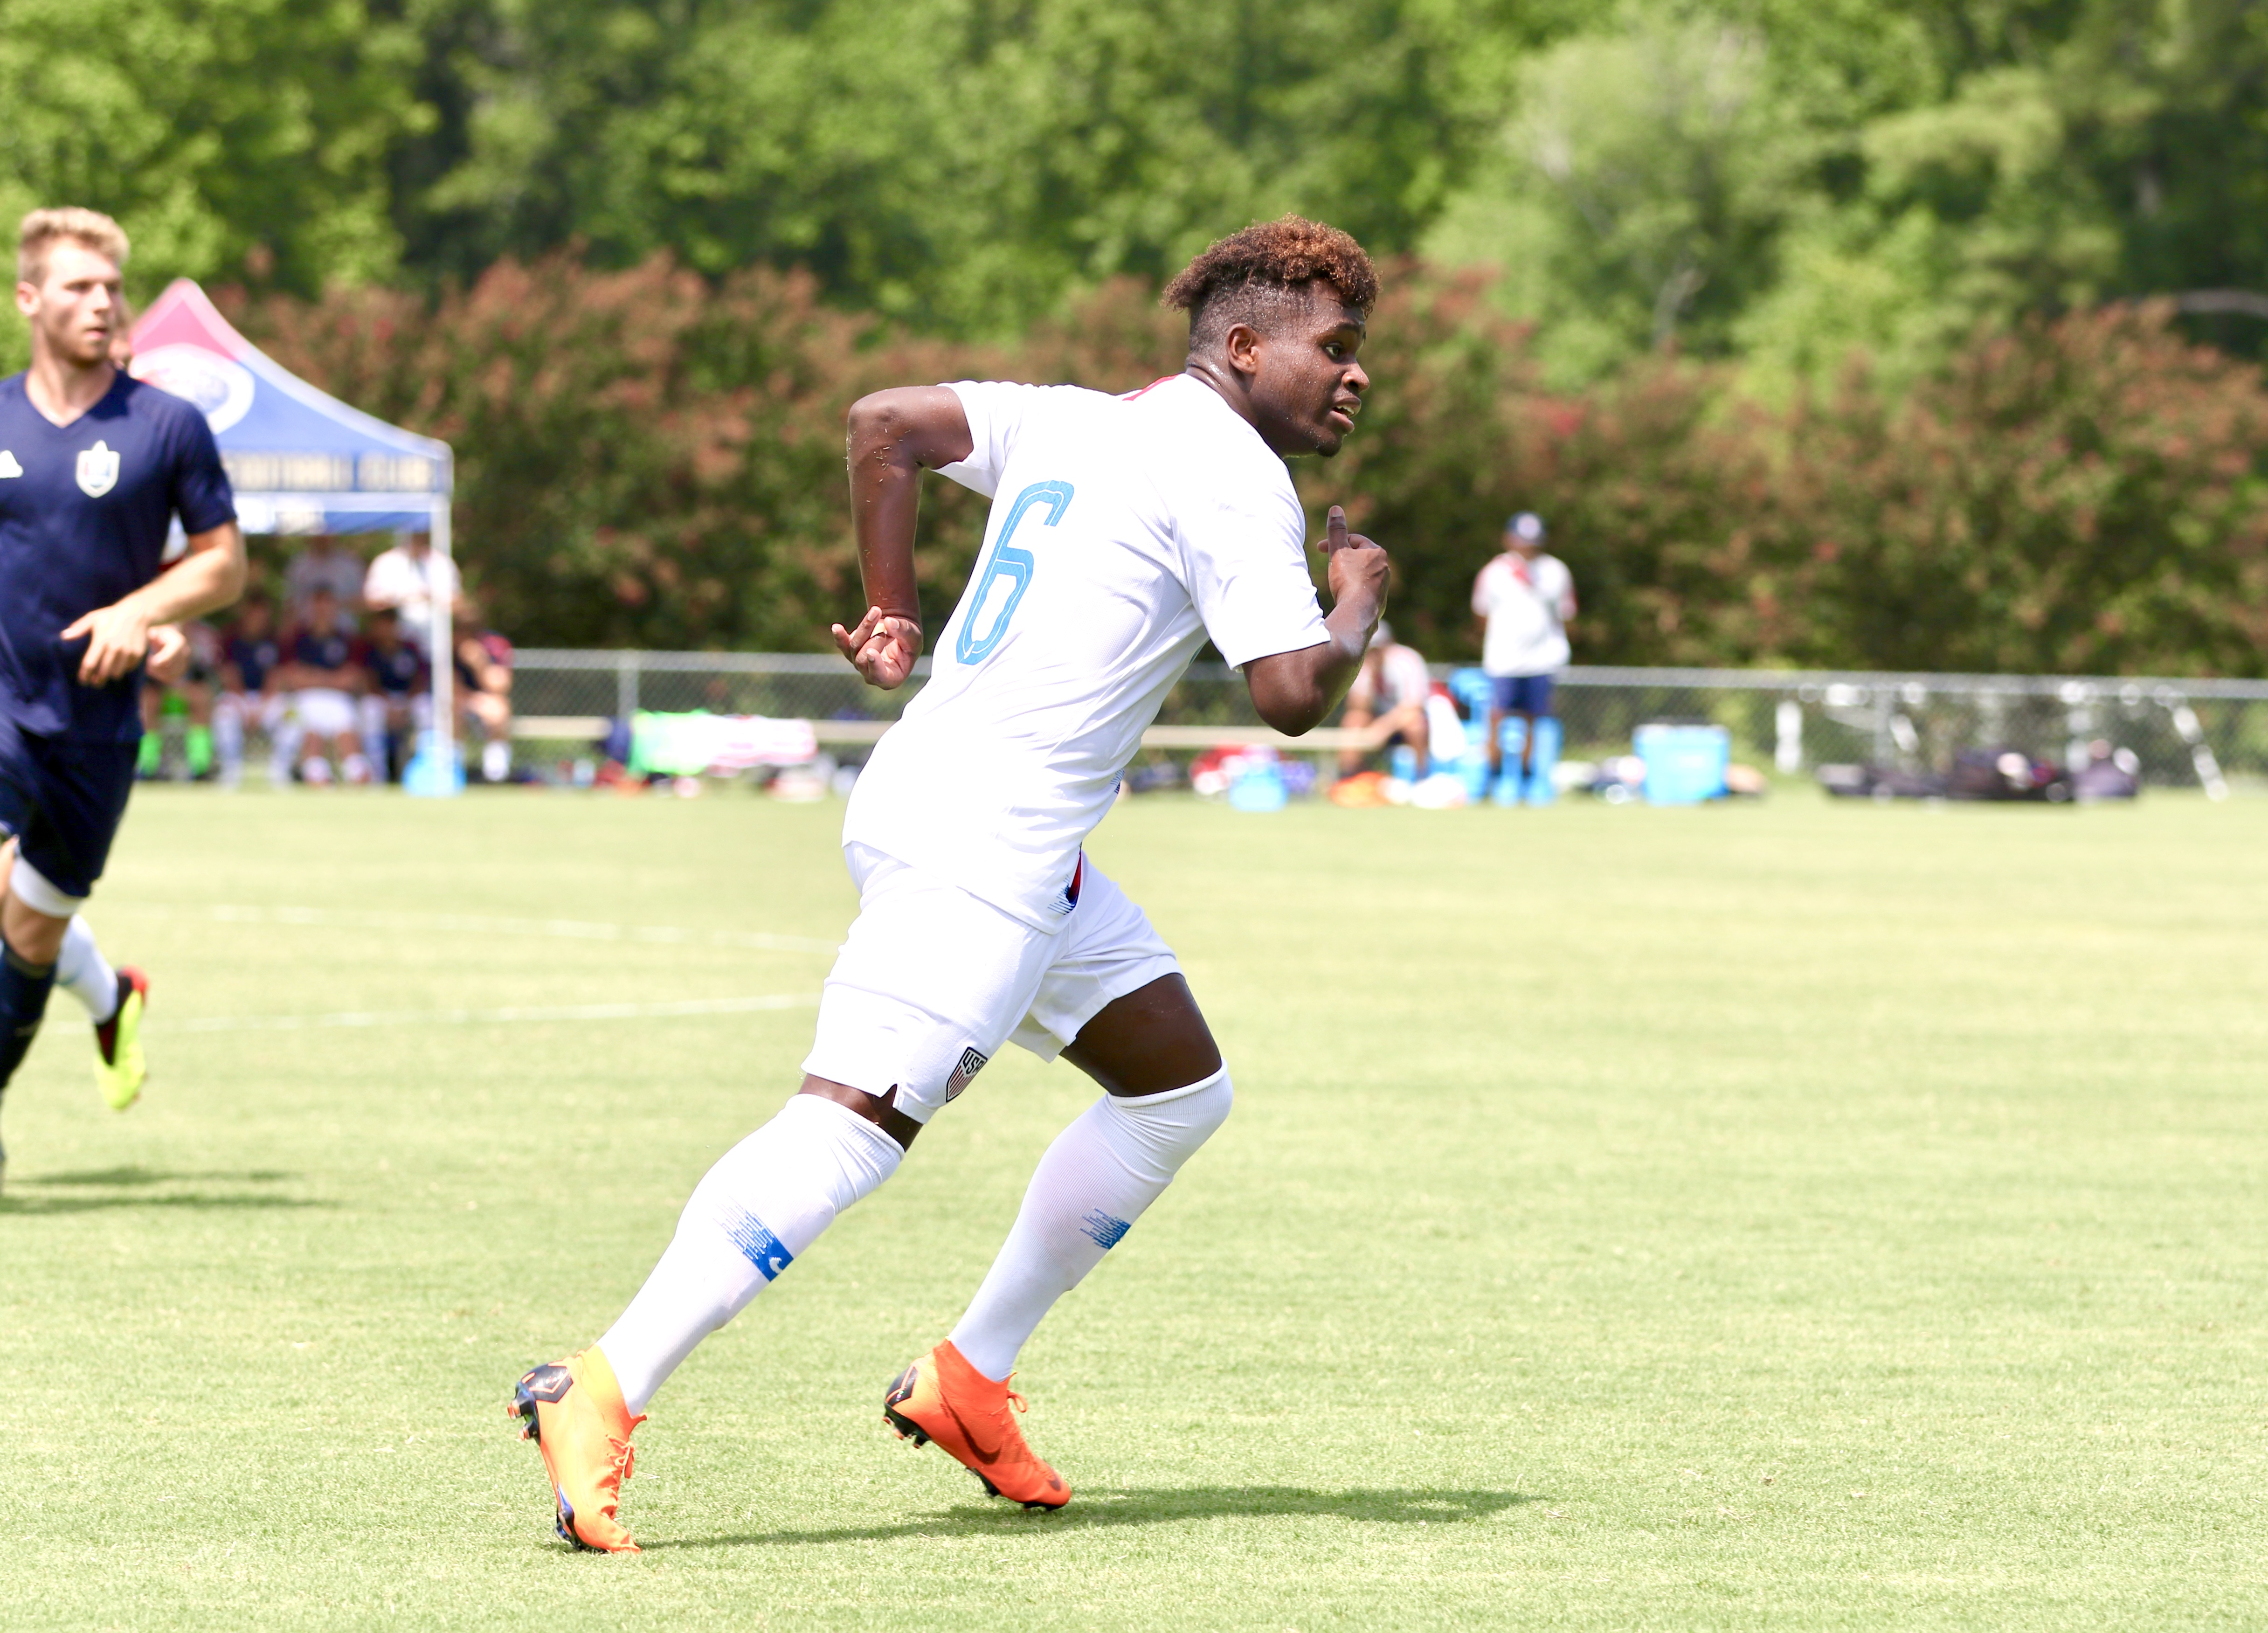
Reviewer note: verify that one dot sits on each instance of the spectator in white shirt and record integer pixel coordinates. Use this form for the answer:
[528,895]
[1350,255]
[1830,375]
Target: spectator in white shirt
[1388,697]
[408,578]
[1524,600]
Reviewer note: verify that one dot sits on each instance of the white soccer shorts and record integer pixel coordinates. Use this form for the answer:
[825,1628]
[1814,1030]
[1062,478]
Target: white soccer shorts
[932,981]
[324,712]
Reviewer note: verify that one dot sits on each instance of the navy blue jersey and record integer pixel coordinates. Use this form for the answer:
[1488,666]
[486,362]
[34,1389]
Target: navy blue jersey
[253,660]
[335,650]
[395,673]
[83,512]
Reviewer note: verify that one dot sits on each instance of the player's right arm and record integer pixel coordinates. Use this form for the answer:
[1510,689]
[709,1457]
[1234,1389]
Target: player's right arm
[1294,691]
[205,580]
[892,437]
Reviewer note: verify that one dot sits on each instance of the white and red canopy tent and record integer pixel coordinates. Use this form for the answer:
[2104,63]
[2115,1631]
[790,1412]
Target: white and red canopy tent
[300,460]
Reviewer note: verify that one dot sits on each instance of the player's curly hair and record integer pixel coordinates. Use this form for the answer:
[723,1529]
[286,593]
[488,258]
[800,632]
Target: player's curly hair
[1244,277]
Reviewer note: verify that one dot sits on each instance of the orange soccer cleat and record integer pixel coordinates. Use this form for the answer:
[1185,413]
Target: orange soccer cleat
[573,1410]
[942,1397]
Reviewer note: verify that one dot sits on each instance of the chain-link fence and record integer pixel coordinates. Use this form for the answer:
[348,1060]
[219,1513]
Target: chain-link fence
[2192,732]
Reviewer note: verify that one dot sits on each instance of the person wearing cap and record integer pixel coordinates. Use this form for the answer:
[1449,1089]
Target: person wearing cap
[1388,697]
[1524,599]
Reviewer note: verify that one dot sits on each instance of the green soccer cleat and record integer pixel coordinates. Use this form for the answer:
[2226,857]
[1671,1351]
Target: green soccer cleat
[119,1068]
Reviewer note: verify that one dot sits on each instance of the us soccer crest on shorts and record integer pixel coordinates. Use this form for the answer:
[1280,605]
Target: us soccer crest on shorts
[965,1072]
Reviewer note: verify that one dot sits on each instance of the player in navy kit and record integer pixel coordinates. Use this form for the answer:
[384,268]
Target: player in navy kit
[324,670]
[393,707]
[252,656]
[93,467]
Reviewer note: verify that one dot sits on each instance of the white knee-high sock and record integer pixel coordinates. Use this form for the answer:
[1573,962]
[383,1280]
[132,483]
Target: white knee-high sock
[82,971]
[1093,1184]
[228,738]
[765,1202]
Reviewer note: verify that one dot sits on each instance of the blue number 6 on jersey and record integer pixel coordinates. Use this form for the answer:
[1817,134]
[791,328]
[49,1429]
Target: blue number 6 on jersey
[1008,563]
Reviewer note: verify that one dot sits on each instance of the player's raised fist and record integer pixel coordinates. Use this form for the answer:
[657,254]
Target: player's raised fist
[882,648]
[1357,567]
[1335,536]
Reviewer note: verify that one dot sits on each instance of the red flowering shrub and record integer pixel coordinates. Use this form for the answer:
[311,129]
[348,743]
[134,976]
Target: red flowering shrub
[2076,497]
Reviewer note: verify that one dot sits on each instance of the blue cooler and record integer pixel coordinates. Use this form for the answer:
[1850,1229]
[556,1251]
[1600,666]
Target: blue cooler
[1684,764]
[430,773]
[1258,786]
[1537,788]
[1471,688]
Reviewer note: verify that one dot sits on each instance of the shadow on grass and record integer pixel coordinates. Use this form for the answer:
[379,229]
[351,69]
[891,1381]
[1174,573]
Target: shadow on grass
[1161,1506]
[78,1191]
[134,1175]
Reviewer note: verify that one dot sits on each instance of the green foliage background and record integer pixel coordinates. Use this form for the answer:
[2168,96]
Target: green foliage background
[1751,265]
[1777,177]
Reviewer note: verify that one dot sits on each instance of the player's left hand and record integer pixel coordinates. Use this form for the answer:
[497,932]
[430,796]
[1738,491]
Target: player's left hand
[169,653]
[1336,538]
[882,648]
[1359,572]
[117,641]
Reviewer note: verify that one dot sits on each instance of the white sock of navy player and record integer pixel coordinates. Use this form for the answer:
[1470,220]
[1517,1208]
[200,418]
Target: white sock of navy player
[228,740]
[82,971]
[764,1203]
[1093,1184]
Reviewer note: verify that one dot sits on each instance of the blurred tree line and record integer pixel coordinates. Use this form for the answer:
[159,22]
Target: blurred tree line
[1775,177]
[1854,331]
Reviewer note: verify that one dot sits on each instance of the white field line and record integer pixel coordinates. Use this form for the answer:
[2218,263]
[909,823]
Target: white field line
[573,930]
[492,1016]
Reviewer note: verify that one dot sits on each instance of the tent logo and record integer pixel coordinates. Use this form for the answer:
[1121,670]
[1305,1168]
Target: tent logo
[98,470]
[221,389]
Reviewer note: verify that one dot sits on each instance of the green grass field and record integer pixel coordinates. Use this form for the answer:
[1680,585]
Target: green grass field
[1785,1216]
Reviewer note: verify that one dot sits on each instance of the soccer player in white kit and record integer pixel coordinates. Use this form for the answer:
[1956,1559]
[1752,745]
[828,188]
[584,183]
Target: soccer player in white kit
[1124,532]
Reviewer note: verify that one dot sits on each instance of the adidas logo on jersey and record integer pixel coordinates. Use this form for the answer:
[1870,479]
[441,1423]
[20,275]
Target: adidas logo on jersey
[8,465]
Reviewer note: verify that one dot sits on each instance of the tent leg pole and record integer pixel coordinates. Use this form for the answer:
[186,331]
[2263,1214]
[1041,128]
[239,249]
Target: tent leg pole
[445,668]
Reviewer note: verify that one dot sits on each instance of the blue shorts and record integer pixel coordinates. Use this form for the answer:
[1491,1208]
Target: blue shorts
[1520,694]
[62,801]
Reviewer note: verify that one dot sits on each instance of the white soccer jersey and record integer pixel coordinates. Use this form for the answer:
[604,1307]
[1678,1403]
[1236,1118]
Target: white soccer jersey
[1527,605]
[1125,530]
